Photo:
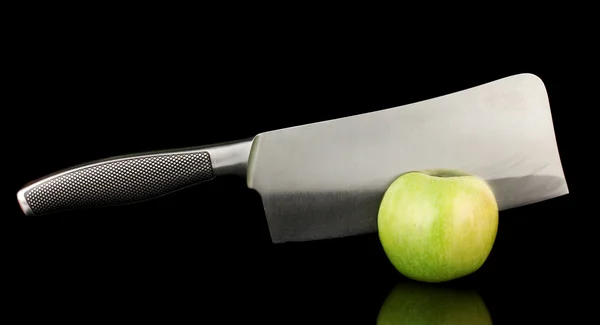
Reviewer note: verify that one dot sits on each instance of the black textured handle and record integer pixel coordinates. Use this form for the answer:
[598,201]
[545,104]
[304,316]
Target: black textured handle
[116,181]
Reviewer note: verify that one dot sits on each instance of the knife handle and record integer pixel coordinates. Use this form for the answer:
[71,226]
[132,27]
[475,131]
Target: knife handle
[131,178]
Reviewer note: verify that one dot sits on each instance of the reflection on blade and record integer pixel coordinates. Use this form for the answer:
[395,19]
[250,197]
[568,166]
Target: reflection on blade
[318,215]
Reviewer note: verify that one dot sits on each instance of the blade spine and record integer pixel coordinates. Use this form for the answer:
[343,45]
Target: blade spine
[402,106]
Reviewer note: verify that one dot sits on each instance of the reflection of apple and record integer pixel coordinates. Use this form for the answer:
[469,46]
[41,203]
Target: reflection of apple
[420,303]
[439,225]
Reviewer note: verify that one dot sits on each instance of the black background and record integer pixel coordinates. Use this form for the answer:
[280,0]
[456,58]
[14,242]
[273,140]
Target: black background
[205,252]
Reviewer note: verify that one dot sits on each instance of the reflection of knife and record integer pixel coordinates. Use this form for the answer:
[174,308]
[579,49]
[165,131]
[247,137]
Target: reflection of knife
[326,179]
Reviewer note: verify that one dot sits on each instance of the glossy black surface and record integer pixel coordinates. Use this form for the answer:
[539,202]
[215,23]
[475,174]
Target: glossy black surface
[204,253]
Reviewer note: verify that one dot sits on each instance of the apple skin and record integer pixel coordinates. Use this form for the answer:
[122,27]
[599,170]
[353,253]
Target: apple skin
[438,225]
[427,304]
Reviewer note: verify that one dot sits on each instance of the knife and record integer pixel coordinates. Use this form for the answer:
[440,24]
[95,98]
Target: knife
[326,179]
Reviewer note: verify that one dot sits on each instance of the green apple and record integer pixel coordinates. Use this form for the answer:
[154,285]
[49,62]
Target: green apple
[438,225]
[421,303]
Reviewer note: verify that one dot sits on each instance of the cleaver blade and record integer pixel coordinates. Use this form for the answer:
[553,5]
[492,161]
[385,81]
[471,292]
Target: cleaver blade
[326,179]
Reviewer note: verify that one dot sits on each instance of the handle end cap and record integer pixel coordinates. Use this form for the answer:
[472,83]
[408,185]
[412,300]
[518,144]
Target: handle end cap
[23,203]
